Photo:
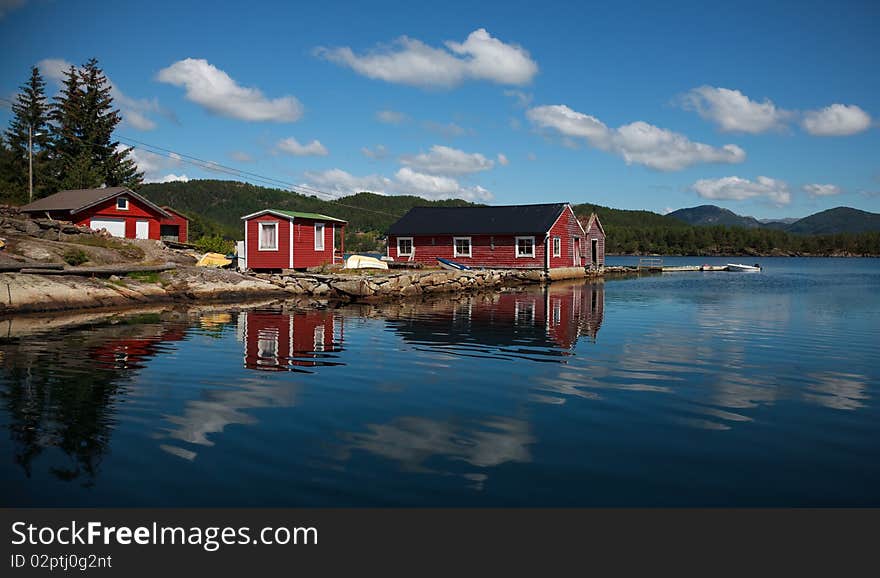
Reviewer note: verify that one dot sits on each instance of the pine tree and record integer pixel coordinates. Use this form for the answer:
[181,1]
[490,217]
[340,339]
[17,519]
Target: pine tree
[83,121]
[30,115]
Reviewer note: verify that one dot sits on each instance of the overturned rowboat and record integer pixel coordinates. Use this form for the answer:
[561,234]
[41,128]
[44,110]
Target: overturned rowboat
[739,267]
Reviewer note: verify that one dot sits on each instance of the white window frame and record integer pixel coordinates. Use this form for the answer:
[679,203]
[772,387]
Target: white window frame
[321,238]
[125,203]
[516,247]
[455,252]
[411,247]
[260,225]
[557,246]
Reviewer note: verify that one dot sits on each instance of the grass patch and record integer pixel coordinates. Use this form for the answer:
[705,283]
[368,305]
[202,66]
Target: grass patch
[127,250]
[74,257]
[144,276]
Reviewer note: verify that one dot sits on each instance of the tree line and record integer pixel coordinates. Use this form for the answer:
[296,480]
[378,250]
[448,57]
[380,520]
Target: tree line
[68,137]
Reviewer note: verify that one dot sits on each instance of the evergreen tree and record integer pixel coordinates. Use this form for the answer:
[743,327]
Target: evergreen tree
[83,120]
[30,115]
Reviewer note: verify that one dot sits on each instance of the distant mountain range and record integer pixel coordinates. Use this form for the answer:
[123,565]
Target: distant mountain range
[832,221]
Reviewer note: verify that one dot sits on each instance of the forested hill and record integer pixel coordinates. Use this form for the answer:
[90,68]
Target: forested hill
[216,207]
[221,204]
[840,219]
[712,215]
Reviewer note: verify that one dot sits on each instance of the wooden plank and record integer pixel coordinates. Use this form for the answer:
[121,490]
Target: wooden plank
[114,270]
[7,267]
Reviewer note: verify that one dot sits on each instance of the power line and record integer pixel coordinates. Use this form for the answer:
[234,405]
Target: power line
[232,171]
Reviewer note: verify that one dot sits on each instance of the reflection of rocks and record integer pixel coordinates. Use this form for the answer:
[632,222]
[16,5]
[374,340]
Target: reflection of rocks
[838,390]
[412,441]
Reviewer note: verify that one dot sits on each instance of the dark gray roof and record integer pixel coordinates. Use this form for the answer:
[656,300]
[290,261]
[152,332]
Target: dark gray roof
[500,220]
[76,200]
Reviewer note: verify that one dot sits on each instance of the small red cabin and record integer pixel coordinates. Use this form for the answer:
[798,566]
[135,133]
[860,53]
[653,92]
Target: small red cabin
[276,239]
[118,210]
[546,236]
[175,228]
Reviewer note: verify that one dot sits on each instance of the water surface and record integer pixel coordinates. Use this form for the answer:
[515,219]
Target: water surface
[694,389]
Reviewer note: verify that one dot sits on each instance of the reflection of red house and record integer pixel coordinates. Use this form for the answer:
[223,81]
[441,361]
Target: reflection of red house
[280,341]
[555,317]
[134,351]
[118,210]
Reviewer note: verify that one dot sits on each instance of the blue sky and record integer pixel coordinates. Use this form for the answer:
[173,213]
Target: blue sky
[769,109]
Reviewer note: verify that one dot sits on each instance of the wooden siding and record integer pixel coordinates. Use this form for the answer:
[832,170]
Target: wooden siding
[136,212]
[181,222]
[257,259]
[567,229]
[486,251]
[304,253]
[595,232]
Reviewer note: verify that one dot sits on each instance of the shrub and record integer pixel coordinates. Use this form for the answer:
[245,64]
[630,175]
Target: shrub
[144,276]
[215,244]
[74,257]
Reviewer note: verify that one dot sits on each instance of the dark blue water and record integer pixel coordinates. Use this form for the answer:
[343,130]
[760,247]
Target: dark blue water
[695,389]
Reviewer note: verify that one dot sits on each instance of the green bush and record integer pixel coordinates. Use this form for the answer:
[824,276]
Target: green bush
[74,257]
[215,244]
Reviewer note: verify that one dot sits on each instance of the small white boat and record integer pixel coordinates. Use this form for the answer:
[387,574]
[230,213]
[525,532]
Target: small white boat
[743,268]
[364,262]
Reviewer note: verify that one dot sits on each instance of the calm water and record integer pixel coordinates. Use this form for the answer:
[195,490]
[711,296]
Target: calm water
[681,389]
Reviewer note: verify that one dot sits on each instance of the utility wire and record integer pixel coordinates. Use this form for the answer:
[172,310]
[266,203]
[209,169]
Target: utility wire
[232,171]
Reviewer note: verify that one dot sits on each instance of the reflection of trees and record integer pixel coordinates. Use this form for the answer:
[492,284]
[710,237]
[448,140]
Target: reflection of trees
[62,392]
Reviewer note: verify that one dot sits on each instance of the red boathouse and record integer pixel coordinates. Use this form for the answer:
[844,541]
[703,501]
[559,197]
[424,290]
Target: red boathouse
[275,239]
[118,210]
[546,236]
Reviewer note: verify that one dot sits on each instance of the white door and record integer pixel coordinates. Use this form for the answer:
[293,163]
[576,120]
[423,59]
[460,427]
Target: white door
[142,230]
[115,227]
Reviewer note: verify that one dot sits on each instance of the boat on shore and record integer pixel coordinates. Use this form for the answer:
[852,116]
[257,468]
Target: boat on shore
[739,267]
[364,262]
[451,265]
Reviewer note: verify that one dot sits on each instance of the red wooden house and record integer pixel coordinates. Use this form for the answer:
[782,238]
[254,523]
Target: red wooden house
[118,210]
[276,239]
[175,228]
[545,236]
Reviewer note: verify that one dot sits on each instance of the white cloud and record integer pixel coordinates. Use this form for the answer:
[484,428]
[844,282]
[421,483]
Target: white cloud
[343,183]
[7,6]
[215,90]
[820,190]
[406,181]
[292,147]
[378,152]
[171,178]
[439,187]
[411,61]
[739,189]
[449,130]
[836,120]
[637,142]
[502,160]
[443,160]
[134,111]
[154,166]
[241,156]
[667,210]
[733,111]
[391,117]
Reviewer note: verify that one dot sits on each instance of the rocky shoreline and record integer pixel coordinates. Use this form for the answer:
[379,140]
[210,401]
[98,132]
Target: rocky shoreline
[33,293]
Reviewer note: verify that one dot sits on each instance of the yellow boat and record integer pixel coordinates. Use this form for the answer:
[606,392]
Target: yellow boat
[213,260]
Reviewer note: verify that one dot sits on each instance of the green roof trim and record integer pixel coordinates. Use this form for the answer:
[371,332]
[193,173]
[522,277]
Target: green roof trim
[315,216]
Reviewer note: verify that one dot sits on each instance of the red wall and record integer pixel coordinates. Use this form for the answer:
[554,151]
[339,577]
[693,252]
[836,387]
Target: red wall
[567,228]
[595,233]
[181,222]
[257,259]
[304,254]
[136,212]
[428,248]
